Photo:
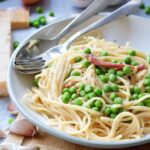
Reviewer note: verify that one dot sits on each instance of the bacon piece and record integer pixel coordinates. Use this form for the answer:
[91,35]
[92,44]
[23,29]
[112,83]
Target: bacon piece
[69,84]
[105,64]
[78,92]
[22,127]
[141,67]
[102,63]
[12,109]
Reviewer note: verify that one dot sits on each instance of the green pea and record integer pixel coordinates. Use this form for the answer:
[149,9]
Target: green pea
[104,70]
[132,90]
[74,96]
[66,97]
[98,104]
[147,102]
[11,120]
[98,92]
[120,73]
[85,63]
[111,71]
[140,104]
[115,109]
[92,94]
[67,94]
[137,90]
[147,76]
[87,96]
[92,104]
[126,70]
[52,14]
[82,86]
[113,96]
[41,17]
[98,71]
[107,111]
[147,82]
[142,5]
[36,82]
[104,53]
[87,51]
[36,24]
[75,73]
[140,95]
[43,21]
[115,61]
[15,44]
[78,59]
[113,116]
[65,90]
[103,78]
[112,77]
[132,53]
[95,108]
[82,93]
[147,89]
[107,88]
[148,59]
[134,63]
[115,88]
[118,100]
[72,90]
[88,89]
[39,10]
[147,10]
[127,60]
[135,96]
[78,102]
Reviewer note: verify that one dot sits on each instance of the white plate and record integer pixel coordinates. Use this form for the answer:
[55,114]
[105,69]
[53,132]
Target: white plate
[133,29]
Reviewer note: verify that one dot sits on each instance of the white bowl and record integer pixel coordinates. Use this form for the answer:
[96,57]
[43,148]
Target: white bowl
[133,29]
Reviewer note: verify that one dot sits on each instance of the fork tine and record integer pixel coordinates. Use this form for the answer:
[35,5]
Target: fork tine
[30,60]
[29,72]
[30,63]
[29,67]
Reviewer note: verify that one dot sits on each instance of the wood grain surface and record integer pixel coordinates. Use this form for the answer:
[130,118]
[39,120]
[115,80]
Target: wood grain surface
[44,141]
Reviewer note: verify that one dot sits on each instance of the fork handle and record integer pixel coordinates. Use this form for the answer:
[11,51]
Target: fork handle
[95,7]
[122,11]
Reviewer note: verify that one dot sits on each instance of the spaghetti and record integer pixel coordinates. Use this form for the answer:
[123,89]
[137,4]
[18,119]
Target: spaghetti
[97,90]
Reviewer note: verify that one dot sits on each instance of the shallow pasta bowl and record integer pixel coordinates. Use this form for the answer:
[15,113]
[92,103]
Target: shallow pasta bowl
[133,29]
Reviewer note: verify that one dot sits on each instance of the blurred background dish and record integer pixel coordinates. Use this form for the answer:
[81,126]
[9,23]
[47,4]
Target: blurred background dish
[85,3]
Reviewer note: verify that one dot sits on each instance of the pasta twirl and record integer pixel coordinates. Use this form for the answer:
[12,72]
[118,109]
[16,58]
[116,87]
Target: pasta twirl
[97,90]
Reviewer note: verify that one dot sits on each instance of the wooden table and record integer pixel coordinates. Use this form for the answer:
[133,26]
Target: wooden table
[44,141]
[47,142]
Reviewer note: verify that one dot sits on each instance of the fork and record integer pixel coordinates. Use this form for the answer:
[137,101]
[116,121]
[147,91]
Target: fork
[44,43]
[36,64]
